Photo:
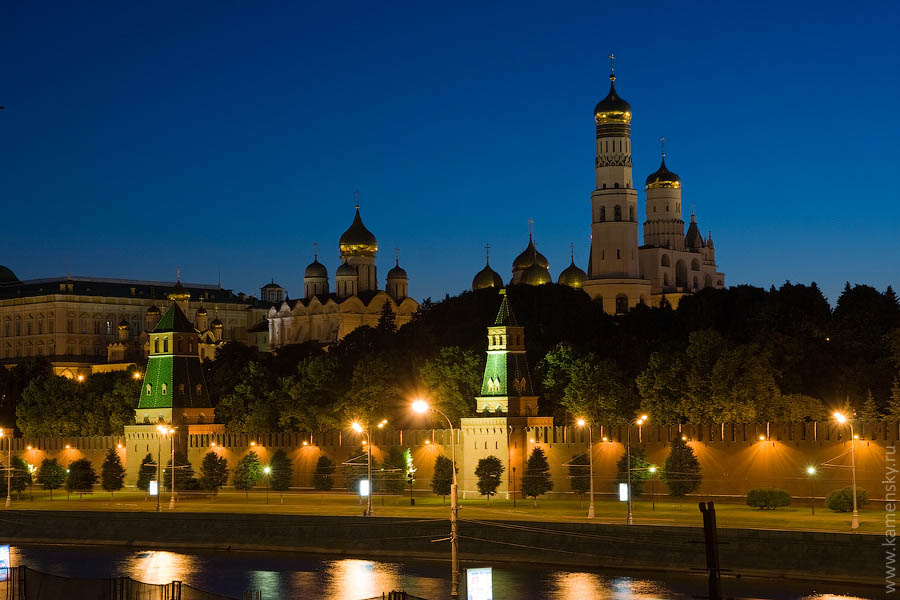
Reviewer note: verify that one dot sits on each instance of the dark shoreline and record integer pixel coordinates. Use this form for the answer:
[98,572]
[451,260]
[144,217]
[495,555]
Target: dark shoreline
[768,554]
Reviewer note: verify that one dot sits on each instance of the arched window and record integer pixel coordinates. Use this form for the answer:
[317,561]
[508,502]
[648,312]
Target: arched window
[602,213]
[617,185]
[695,265]
[617,213]
[165,389]
[180,345]
[631,213]
[156,346]
[707,281]
[165,344]
[667,208]
[680,273]
[696,282]
[149,389]
[621,304]
[665,260]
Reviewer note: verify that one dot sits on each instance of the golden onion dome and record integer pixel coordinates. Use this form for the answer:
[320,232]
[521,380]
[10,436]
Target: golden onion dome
[217,324]
[663,178]
[530,256]
[487,278]
[612,109]
[153,311]
[536,275]
[572,276]
[201,312]
[357,240]
[178,293]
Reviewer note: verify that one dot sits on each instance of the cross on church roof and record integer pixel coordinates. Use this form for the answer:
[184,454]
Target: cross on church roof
[315,250]
[662,144]
[356,197]
[612,63]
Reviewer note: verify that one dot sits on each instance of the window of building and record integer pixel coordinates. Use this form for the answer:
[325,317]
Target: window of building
[70,326]
[617,213]
[695,265]
[667,208]
[631,213]
[199,389]
[664,261]
[602,213]
[618,254]
[616,185]
[621,304]
[165,344]
[180,343]
[165,389]
[156,346]
[149,388]
[51,326]
[602,255]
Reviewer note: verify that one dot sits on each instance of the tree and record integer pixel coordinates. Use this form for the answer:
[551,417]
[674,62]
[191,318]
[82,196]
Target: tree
[374,390]
[213,472]
[869,411]
[51,475]
[536,480]
[682,469]
[20,479]
[323,480]
[387,321]
[281,471]
[112,474]
[453,379]
[247,473]
[489,472]
[313,394]
[82,477]
[640,472]
[442,477]
[768,499]
[146,473]
[842,500]
[184,474]
[580,473]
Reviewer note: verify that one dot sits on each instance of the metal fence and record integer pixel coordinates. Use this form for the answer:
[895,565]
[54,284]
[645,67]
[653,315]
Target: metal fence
[27,584]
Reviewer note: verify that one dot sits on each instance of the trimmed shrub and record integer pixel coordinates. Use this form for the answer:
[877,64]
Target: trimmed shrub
[768,499]
[842,500]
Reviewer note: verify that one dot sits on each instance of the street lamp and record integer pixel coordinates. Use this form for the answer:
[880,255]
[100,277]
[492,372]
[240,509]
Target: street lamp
[652,470]
[581,423]
[811,472]
[368,442]
[266,470]
[854,519]
[8,469]
[421,406]
[163,431]
[639,421]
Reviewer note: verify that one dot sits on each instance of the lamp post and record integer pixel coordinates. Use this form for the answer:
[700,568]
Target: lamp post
[8,468]
[854,519]
[514,487]
[266,470]
[581,423]
[163,431]
[652,470]
[640,421]
[359,429]
[420,406]
[811,472]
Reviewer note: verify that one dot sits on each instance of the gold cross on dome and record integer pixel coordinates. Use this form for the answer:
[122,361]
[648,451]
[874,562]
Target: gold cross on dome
[316,250]
[487,251]
[612,63]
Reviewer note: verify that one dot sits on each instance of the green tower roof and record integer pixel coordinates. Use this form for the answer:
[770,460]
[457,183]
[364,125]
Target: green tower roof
[174,320]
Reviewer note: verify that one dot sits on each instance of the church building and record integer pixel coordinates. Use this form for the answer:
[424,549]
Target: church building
[326,316]
[622,272]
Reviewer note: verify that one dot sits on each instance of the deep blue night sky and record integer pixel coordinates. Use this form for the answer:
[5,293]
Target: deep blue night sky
[141,137]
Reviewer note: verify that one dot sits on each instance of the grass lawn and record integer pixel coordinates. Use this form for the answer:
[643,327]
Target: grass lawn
[667,512]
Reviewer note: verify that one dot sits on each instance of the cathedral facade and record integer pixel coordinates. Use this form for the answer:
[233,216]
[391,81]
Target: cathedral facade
[622,272]
[326,316]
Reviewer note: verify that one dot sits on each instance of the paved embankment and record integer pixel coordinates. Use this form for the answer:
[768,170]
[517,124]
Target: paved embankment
[749,552]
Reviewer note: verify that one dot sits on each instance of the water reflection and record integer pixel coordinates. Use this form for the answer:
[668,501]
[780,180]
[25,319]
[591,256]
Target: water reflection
[159,566]
[591,586]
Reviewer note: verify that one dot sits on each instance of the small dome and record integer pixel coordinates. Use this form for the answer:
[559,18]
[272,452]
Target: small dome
[530,256]
[612,109]
[7,276]
[357,240]
[536,275]
[217,324]
[663,178]
[315,269]
[487,278]
[397,273]
[179,293]
[572,276]
[123,324]
[201,312]
[153,311]
[346,270]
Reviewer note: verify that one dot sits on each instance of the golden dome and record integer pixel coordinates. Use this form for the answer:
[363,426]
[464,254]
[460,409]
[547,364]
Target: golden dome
[487,278]
[153,311]
[357,240]
[178,293]
[612,109]
[536,275]
[663,178]
[572,276]
[530,256]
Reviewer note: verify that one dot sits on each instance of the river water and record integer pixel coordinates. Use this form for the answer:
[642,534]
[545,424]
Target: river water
[285,575]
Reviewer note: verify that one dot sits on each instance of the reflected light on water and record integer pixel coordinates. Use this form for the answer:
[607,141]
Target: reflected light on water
[352,579]
[591,586]
[159,566]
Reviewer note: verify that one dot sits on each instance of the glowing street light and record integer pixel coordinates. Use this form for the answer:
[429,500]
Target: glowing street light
[266,470]
[842,418]
[581,423]
[421,406]
[811,473]
[358,428]
[639,421]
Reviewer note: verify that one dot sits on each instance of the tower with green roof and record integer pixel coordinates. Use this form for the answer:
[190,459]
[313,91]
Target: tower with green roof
[506,387]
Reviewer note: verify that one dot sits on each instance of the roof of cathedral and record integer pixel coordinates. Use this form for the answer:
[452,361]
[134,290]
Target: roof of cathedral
[572,276]
[217,323]
[693,239]
[346,270]
[153,310]
[530,256]
[174,320]
[536,275]
[612,108]
[663,178]
[7,276]
[487,278]
[358,240]
[316,269]
[274,285]
[397,272]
